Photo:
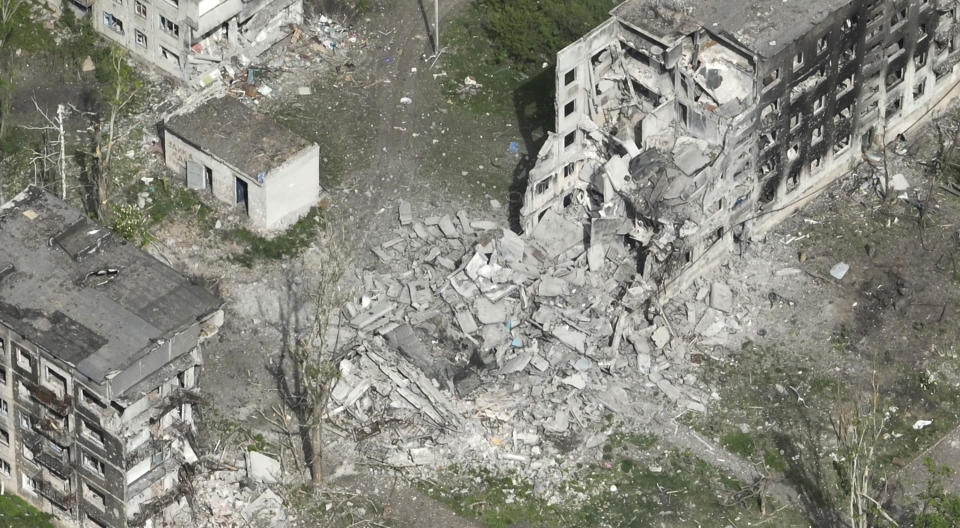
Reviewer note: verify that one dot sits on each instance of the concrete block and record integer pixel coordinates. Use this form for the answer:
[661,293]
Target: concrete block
[262,468]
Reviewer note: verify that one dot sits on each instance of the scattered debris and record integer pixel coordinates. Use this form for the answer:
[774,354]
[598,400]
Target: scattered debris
[839,270]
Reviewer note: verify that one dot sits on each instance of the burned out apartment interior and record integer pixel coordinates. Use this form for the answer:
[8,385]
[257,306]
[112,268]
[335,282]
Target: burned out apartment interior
[685,126]
[682,128]
[101,356]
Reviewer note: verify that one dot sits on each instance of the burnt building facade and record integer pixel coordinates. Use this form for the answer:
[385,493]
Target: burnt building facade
[684,127]
[99,361]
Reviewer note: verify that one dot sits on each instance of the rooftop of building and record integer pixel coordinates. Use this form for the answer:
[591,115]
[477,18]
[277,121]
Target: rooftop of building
[82,293]
[764,26]
[239,136]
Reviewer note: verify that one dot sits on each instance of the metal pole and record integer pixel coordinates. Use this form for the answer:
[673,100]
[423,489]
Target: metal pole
[436,26]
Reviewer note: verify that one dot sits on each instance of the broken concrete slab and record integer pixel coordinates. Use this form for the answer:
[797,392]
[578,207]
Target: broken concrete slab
[552,287]
[489,312]
[570,337]
[595,257]
[420,293]
[511,246]
[405,340]
[661,337]
[668,389]
[517,363]
[405,212]
[721,298]
[465,319]
[556,234]
[421,231]
[261,468]
[371,314]
[447,228]
[577,381]
[464,222]
[483,225]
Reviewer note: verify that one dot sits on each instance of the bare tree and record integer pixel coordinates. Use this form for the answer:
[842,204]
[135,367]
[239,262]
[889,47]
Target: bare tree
[54,126]
[308,367]
[859,429]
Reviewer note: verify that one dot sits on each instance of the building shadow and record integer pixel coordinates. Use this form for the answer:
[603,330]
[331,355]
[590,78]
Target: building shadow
[534,109]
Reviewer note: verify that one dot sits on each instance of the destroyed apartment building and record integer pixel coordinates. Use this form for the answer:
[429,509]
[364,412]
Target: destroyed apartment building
[192,39]
[99,358]
[682,127]
[245,159]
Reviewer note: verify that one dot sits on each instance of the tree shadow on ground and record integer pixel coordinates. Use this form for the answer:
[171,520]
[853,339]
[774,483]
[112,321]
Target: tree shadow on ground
[292,325]
[800,444]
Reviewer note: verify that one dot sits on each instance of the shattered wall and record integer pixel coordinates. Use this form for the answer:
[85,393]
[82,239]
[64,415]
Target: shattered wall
[190,40]
[695,139]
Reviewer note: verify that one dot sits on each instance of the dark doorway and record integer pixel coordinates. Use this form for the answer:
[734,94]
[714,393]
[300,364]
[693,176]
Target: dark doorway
[208,177]
[242,195]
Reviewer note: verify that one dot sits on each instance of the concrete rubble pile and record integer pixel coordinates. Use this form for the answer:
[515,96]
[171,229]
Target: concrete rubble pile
[478,345]
[231,498]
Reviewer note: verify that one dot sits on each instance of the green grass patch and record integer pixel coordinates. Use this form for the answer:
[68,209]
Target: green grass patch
[287,244]
[739,442]
[17,513]
[636,486]
[172,199]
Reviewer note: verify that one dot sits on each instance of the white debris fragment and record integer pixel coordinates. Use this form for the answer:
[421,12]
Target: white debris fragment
[920,424]
[839,270]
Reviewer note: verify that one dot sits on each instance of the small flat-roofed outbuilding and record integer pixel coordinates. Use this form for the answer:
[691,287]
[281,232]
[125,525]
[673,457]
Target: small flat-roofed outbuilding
[246,159]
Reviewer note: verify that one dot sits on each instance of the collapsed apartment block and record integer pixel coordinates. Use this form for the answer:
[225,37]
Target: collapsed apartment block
[683,127]
[245,159]
[99,358]
[191,39]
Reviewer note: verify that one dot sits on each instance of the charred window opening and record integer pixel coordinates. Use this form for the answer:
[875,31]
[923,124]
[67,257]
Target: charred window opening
[920,59]
[793,180]
[845,85]
[898,18]
[771,78]
[771,109]
[919,89]
[850,24]
[842,144]
[793,153]
[569,139]
[894,106]
[717,236]
[569,77]
[895,77]
[769,190]
[768,167]
[569,108]
[768,140]
[849,53]
[568,170]
[795,120]
[815,164]
[822,44]
[798,60]
[844,113]
[817,134]
[820,103]
[567,200]
[895,49]
[684,114]
[544,185]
